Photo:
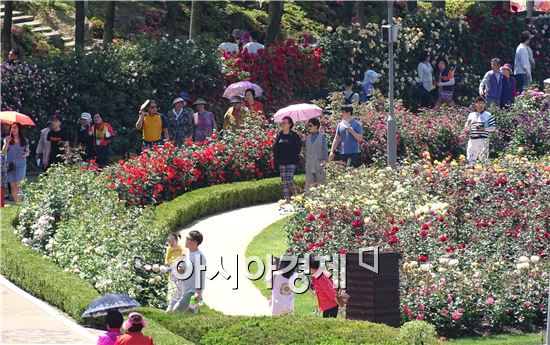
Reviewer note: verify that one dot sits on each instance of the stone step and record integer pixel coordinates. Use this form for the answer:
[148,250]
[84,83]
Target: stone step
[50,34]
[42,29]
[13,14]
[69,44]
[22,19]
[33,24]
[67,39]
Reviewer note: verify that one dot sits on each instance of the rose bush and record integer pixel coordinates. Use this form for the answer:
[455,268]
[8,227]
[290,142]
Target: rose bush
[473,239]
[74,219]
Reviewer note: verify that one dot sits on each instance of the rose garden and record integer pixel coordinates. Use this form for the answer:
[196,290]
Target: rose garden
[473,239]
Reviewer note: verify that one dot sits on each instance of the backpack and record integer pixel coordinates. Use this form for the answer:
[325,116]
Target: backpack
[348,99]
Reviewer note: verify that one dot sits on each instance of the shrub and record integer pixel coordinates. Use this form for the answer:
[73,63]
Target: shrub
[473,239]
[418,333]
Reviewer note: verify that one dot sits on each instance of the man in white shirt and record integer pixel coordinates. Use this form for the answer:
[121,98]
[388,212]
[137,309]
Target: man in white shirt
[522,66]
[253,46]
[477,127]
[229,45]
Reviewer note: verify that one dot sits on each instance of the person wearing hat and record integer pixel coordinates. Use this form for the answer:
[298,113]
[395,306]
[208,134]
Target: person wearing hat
[152,125]
[490,87]
[370,78]
[205,122]
[59,142]
[84,138]
[102,135]
[508,86]
[522,66]
[133,327]
[43,147]
[180,120]
[235,115]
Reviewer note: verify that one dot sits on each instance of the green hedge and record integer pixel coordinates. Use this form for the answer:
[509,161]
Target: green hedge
[42,278]
[225,329]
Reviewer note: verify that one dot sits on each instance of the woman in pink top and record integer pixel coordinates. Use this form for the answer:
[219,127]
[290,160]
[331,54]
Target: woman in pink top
[133,327]
[114,322]
[323,287]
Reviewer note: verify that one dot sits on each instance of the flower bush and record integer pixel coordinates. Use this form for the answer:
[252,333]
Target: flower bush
[70,216]
[285,70]
[165,172]
[473,239]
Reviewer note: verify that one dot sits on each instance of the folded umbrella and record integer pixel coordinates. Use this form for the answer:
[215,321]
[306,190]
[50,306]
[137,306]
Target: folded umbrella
[10,117]
[298,112]
[101,305]
[239,88]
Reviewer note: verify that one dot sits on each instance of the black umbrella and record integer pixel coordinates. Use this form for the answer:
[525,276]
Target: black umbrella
[101,305]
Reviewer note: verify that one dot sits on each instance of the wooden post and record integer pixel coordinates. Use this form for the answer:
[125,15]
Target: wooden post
[108,33]
[6,29]
[373,296]
[80,16]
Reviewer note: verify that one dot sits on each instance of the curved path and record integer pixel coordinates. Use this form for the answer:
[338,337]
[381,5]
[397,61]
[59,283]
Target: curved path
[227,235]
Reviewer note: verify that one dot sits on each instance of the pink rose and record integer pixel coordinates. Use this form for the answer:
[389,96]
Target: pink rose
[490,301]
[455,315]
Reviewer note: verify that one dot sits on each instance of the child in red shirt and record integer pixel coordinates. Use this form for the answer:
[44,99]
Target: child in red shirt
[324,289]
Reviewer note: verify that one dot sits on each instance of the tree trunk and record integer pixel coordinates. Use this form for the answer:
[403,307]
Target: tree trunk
[360,13]
[79,26]
[506,5]
[275,14]
[196,14]
[530,4]
[438,4]
[6,29]
[173,9]
[109,29]
[348,12]
[412,5]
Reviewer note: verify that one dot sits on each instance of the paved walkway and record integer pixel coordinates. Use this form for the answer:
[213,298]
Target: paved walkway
[228,234]
[28,320]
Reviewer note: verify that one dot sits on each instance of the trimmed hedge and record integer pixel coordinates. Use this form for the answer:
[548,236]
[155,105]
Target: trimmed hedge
[224,329]
[42,278]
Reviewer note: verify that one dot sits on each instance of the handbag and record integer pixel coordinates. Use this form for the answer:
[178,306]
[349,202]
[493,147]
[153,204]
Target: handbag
[342,297]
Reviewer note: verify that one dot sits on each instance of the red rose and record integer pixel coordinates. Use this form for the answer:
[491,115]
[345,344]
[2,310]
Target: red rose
[311,217]
[422,258]
[342,251]
[329,236]
[321,215]
[423,233]
[392,239]
[307,229]
[310,247]
[395,228]
[425,226]
[443,238]
[357,212]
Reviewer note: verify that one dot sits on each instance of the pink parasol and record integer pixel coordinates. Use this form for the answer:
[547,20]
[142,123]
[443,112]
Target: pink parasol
[239,88]
[298,112]
[13,116]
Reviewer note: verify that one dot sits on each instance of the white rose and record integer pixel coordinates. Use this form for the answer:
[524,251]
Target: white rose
[163,269]
[147,267]
[137,265]
[453,262]
[151,281]
[158,278]
[426,267]
[413,264]
[523,258]
[444,261]
[535,259]
[156,268]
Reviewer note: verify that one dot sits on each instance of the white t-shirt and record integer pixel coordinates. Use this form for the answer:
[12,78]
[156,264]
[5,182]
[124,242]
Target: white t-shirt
[425,74]
[282,297]
[192,282]
[253,47]
[229,46]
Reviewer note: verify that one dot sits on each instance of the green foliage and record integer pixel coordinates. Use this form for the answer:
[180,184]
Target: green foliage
[418,333]
[225,329]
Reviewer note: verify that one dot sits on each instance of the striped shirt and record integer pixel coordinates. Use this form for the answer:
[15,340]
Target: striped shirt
[477,120]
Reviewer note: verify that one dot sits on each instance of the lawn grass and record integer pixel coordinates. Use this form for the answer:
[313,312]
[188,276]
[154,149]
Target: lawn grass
[503,339]
[272,241]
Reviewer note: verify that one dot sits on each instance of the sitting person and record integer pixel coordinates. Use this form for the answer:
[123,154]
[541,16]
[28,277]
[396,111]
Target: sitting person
[114,321]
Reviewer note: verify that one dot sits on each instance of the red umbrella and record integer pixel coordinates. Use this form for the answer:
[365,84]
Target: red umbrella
[10,117]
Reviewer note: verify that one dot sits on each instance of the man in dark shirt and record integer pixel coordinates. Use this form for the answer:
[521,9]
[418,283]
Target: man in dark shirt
[59,140]
[84,137]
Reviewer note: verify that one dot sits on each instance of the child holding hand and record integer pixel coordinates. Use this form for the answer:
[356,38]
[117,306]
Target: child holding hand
[173,252]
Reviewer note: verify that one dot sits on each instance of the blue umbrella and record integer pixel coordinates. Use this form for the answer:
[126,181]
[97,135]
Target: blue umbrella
[101,305]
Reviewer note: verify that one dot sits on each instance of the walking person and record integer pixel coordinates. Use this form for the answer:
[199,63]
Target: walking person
[152,125]
[349,133]
[205,121]
[252,104]
[316,155]
[445,79]
[43,147]
[323,288]
[114,322]
[180,121]
[508,86]
[133,326]
[286,154]
[490,87]
[350,97]
[425,76]
[235,115]
[253,46]
[16,149]
[281,301]
[84,138]
[102,136]
[522,66]
[477,127]
[59,142]
[367,89]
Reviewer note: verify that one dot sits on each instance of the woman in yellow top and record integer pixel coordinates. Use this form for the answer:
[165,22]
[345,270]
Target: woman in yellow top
[152,124]
[235,115]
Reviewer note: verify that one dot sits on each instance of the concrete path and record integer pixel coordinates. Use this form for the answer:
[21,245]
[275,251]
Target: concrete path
[28,320]
[227,235]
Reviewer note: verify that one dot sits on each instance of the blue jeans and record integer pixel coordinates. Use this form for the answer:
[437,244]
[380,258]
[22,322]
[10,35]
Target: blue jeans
[351,159]
[520,82]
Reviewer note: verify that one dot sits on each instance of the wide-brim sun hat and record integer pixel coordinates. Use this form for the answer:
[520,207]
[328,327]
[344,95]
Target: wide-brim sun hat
[86,116]
[200,101]
[508,67]
[134,319]
[178,99]
[235,100]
